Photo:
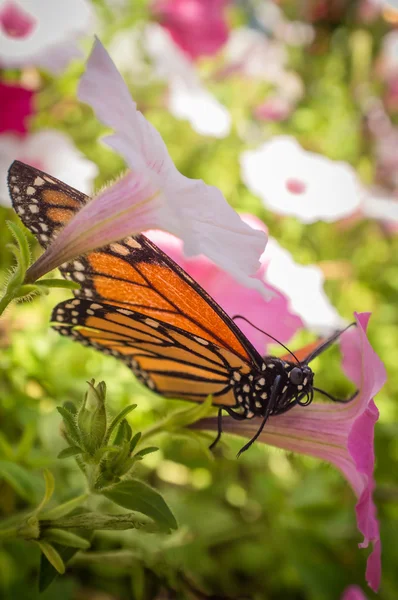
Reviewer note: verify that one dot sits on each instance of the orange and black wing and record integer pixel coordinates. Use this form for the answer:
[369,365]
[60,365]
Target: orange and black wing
[43,203]
[168,360]
[132,274]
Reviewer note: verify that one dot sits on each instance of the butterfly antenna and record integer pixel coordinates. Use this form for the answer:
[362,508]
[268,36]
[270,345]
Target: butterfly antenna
[342,401]
[268,335]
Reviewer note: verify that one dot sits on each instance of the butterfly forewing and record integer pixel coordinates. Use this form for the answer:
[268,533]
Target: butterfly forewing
[43,203]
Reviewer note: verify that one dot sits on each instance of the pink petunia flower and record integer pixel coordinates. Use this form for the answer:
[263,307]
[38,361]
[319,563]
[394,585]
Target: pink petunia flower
[341,434]
[16,106]
[42,34]
[273,316]
[198,27]
[353,592]
[153,195]
[15,21]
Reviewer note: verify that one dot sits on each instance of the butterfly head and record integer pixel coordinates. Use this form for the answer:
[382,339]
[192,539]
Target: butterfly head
[301,376]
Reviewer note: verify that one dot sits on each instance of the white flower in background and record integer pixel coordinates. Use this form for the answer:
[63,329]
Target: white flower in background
[40,33]
[188,98]
[294,182]
[50,151]
[255,55]
[378,204]
[303,285]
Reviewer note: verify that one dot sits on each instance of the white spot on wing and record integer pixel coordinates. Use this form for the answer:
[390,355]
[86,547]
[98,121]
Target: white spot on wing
[132,243]
[38,181]
[30,190]
[120,249]
[201,341]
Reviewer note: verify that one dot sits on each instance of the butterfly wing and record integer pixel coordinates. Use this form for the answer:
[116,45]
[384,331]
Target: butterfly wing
[168,360]
[43,203]
[132,275]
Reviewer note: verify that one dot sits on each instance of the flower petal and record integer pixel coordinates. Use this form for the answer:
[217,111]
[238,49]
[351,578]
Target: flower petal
[48,35]
[125,208]
[330,189]
[16,106]
[197,213]
[338,433]
[353,592]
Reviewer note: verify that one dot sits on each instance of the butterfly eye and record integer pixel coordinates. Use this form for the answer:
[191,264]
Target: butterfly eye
[296,376]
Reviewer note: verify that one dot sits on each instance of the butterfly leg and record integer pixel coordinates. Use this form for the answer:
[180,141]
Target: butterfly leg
[219,428]
[233,414]
[272,400]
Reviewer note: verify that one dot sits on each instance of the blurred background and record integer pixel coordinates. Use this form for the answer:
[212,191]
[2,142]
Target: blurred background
[291,109]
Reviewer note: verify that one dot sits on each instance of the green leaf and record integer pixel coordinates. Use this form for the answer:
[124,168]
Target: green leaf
[26,484]
[64,509]
[70,423]
[47,573]
[71,451]
[124,433]
[52,555]
[136,495]
[117,420]
[146,451]
[135,441]
[66,538]
[22,242]
[58,283]
[48,492]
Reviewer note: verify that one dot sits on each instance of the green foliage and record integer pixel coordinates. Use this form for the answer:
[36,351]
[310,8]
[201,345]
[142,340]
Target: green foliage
[268,525]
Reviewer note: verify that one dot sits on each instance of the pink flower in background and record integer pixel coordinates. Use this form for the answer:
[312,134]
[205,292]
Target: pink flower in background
[42,34]
[16,106]
[198,27]
[353,592]
[15,21]
[341,434]
[153,195]
[51,151]
[273,316]
[274,108]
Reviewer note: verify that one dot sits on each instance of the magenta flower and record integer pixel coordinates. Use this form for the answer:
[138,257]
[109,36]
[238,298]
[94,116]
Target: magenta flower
[198,27]
[353,592]
[273,316]
[16,106]
[153,195]
[341,434]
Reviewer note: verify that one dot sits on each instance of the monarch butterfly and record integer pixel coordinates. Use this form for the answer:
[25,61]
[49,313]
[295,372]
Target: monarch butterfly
[136,304]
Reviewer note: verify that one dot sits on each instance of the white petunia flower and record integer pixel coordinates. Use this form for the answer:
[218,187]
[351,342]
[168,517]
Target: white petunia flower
[50,151]
[294,182]
[303,285]
[43,34]
[188,98]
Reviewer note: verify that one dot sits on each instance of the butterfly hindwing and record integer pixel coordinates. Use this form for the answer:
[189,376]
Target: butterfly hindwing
[166,359]
[43,203]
